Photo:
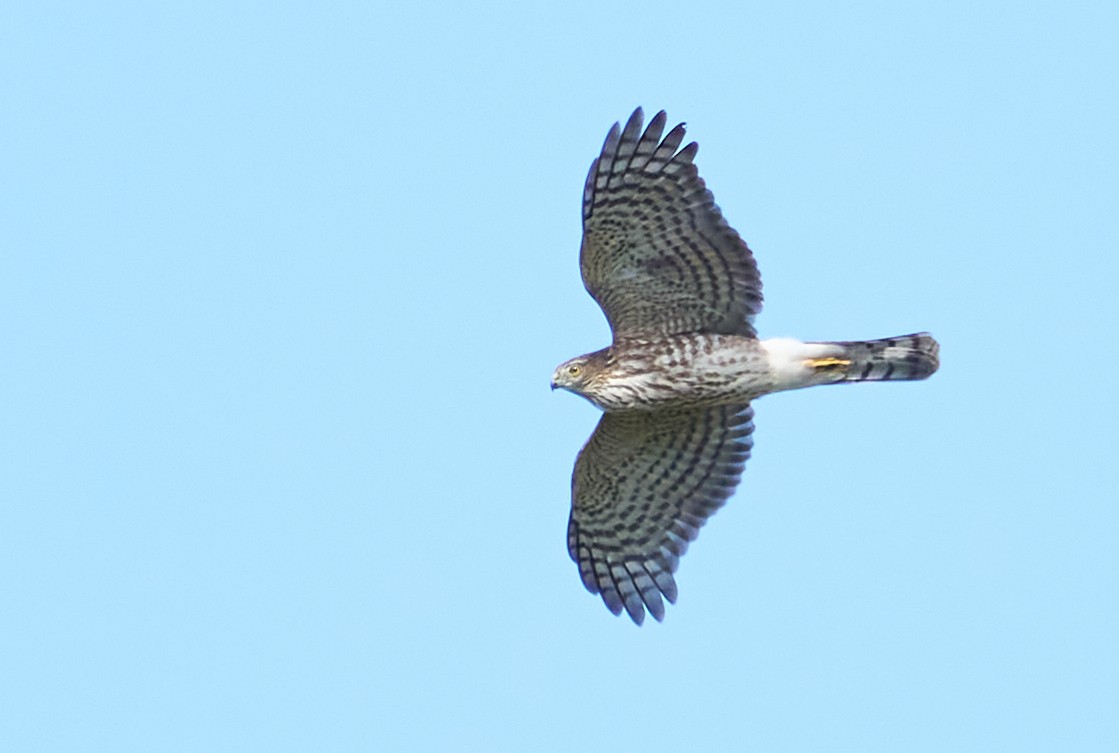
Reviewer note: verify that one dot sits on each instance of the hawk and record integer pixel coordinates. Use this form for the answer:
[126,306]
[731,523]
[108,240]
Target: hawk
[680,290]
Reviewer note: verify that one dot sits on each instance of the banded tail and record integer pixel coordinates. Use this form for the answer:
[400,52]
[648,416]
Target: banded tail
[905,357]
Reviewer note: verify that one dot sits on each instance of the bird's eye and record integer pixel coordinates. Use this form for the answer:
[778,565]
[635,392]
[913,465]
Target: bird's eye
[574,369]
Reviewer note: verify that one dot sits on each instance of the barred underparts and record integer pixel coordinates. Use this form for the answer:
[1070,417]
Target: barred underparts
[680,290]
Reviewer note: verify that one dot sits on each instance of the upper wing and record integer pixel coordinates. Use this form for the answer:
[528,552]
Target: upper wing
[643,485]
[657,254]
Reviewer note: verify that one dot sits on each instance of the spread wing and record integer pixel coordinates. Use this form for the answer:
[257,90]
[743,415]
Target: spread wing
[644,484]
[657,254]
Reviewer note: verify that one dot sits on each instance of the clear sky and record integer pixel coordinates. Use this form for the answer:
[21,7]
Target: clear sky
[281,290]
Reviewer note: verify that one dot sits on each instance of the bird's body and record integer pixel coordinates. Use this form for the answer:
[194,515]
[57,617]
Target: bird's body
[692,371]
[680,289]
[678,371]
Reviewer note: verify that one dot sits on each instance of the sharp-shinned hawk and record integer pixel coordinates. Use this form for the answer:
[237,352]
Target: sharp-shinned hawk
[680,290]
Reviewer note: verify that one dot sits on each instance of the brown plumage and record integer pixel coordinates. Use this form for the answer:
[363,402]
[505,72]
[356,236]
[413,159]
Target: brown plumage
[680,289]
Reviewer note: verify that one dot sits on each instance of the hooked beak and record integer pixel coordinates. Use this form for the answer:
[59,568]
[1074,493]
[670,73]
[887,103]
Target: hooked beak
[553,385]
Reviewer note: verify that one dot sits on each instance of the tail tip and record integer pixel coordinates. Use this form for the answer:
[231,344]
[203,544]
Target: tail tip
[925,355]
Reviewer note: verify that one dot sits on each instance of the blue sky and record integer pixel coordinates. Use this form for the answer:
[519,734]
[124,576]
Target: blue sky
[281,289]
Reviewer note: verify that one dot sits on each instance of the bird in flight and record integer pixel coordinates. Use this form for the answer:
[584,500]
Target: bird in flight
[680,290]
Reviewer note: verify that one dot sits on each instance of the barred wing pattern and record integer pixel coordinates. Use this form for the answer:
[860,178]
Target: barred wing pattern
[643,485]
[657,255]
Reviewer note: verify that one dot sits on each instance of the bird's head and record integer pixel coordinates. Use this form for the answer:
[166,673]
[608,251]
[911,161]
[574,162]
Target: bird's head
[572,375]
[585,375]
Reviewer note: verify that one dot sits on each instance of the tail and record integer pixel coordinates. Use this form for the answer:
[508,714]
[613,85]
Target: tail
[905,357]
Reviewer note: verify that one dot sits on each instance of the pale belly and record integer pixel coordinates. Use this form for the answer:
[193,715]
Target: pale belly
[706,370]
[687,372]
